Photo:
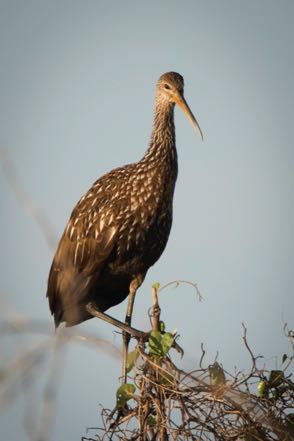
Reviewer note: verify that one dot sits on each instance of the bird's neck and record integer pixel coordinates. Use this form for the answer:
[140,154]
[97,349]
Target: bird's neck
[162,146]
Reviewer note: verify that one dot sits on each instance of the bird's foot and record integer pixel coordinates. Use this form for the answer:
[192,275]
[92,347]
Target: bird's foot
[133,332]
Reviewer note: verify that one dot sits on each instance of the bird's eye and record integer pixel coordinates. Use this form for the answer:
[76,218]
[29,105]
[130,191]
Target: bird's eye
[166,86]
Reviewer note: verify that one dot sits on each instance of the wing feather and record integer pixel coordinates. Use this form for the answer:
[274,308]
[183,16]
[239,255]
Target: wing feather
[85,245]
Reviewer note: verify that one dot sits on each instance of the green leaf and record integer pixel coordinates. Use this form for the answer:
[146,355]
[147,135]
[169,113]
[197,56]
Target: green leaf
[217,375]
[162,326]
[159,344]
[262,388]
[276,378]
[132,358]
[124,393]
[167,340]
[156,285]
[154,344]
[151,421]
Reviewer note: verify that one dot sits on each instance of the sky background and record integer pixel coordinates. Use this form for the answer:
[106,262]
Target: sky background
[76,100]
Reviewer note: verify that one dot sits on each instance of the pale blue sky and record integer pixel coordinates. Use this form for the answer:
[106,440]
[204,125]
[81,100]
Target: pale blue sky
[77,86]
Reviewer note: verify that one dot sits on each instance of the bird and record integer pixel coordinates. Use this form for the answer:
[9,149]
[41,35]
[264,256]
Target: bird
[121,226]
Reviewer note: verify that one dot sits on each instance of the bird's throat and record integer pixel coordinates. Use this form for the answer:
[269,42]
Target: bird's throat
[162,144]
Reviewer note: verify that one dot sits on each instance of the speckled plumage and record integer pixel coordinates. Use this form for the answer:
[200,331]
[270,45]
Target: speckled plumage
[120,227]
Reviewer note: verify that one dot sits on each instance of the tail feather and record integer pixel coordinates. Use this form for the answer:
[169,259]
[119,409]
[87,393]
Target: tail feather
[68,293]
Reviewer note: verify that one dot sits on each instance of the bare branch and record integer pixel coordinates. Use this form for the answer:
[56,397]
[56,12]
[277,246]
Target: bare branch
[26,201]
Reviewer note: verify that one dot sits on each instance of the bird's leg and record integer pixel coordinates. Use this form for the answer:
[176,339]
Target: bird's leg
[93,310]
[134,285]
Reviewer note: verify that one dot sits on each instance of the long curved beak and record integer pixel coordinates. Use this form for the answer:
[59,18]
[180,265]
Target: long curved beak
[182,103]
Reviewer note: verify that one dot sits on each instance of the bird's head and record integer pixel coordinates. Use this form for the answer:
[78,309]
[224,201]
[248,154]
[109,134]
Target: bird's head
[170,88]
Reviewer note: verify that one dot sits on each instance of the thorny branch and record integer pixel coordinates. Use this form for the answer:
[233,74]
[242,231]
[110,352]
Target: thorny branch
[206,404]
[169,403]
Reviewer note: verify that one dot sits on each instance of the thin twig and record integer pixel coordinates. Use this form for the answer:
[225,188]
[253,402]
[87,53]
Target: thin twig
[26,201]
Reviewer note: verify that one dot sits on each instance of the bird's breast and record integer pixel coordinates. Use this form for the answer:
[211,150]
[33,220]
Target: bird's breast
[145,226]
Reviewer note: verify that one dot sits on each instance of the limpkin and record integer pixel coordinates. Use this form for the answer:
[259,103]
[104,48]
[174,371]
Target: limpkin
[120,227]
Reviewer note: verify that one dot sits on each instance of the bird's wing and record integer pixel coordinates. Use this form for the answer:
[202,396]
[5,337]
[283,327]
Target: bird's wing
[86,243]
